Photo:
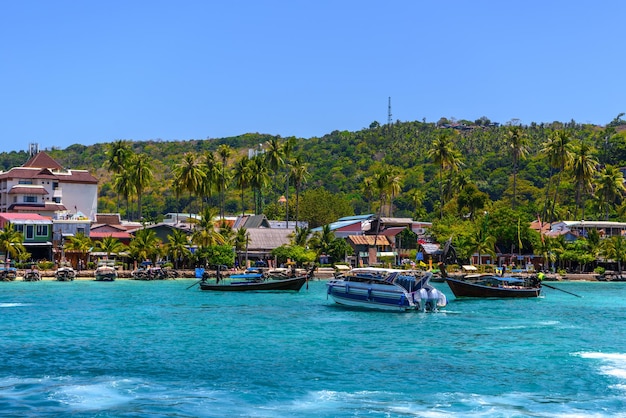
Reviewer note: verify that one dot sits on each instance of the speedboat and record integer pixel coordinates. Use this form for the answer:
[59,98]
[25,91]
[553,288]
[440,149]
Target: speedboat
[106,272]
[386,289]
[65,273]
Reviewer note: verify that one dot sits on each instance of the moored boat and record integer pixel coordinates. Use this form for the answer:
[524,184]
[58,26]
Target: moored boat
[386,289]
[253,280]
[491,286]
[32,274]
[106,272]
[65,273]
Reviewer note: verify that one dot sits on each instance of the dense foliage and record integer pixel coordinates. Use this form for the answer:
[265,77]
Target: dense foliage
[455,173]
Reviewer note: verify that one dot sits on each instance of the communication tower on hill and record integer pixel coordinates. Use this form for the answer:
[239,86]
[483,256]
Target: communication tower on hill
[33,148]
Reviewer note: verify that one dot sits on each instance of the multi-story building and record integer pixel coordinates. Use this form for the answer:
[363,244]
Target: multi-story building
[44,187]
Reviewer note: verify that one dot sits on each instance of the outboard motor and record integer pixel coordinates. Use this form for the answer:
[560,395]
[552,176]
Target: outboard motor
[432,299]
[420,297]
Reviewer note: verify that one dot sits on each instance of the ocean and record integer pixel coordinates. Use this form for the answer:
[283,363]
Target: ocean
[157,349]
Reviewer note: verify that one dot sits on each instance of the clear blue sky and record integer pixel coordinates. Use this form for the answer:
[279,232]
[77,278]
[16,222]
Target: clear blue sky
[95,71]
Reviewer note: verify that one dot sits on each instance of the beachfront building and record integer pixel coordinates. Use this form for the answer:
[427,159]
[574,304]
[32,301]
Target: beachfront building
[36,230]
[44,187]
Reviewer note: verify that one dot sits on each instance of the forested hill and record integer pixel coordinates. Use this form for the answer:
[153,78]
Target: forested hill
[346,165]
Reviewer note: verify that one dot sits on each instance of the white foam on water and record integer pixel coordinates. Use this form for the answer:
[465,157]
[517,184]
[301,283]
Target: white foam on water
[614,364]
[12,304]
[96,396]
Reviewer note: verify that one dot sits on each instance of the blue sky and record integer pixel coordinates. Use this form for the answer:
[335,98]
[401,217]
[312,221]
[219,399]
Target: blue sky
[85,72]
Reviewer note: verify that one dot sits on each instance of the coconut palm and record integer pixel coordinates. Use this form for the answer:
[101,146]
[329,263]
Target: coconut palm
[189,175]
[142,176]
[118,155]
[123,185]
[110,245]
[481,241]
[224,151]
[177,246]
[299,175]
[321,241]
[517,141]
[11,241]
[583,168]
[205,234]
[445,156]
[300,236]
[259,181]
[614,248]
[275,158]
[81,244]
[242,239]
[146,245]
[558,150]
[242,176]
[609,188]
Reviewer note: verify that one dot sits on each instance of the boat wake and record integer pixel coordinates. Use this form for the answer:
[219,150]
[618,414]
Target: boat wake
[612,365]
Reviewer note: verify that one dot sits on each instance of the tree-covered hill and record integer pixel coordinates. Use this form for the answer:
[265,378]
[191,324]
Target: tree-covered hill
[395,169]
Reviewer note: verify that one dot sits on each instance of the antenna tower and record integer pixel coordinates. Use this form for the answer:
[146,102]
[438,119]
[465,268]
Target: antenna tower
[389,112]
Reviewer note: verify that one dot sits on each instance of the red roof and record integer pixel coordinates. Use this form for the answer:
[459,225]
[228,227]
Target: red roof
[27,190]
[23,217]
[42,160]
[118,235]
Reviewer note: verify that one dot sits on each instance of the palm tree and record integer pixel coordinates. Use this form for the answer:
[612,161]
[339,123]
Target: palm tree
[123,185]
[189,176]
[321,241]
[212,170]
[558,149]
[81,244]
[142,176]
[274,156]
[583,168]
[517,141]
[206,235]
[242,176]
[299,175]
[110,245]
[259,180]
[615,248]
[300,236]
[11,241]
[224,151]
[445,156]
[482,242]
[610,187]
[177,247]
[242,239]
[146,245]
[118,157]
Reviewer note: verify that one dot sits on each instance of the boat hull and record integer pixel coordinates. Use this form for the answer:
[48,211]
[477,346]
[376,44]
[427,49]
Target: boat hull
[293,284]
[379,297]
[462,288]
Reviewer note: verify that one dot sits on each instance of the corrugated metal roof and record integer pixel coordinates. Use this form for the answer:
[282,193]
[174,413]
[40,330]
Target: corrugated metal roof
[368,240]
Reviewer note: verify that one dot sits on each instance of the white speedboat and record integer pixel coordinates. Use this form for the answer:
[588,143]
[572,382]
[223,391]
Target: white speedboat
[386,289]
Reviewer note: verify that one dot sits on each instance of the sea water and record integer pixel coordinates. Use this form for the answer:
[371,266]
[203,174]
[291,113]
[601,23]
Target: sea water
[158,349]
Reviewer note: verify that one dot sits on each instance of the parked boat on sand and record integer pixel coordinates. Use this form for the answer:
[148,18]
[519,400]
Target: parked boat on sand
[65,273]
[386,289]
[106,272]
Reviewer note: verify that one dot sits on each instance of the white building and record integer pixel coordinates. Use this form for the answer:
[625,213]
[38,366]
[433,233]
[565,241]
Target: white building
[43,186]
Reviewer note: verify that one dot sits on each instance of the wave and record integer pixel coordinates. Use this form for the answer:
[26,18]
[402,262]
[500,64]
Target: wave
[12,304]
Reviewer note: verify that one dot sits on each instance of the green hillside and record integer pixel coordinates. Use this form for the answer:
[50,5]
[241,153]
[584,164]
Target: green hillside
[407,169]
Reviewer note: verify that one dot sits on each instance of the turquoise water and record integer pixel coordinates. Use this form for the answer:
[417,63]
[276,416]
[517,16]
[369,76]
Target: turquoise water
[155,349]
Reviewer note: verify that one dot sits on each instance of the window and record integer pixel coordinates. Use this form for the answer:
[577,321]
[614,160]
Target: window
[30,199]
[19,228]
[25,181]
[80,230]
[42,230]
